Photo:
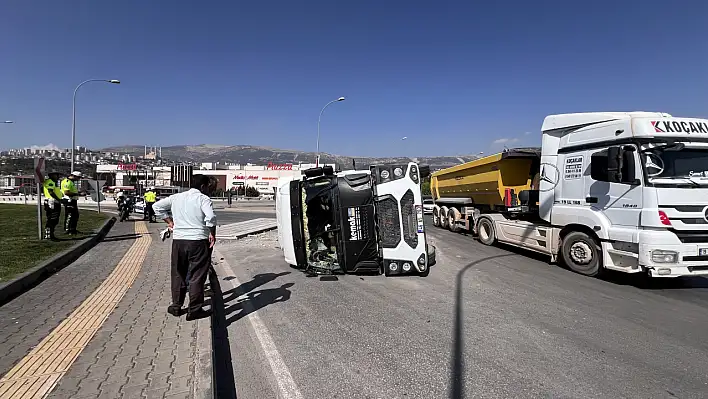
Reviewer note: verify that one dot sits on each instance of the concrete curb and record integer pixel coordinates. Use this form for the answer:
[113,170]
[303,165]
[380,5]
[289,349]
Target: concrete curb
[203,368]
[29,279]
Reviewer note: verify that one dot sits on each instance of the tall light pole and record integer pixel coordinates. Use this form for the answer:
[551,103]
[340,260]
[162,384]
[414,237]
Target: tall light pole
[317,161]
[73,119]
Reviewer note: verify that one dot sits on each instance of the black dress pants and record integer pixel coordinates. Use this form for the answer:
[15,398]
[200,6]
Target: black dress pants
[190,260]
[71,215]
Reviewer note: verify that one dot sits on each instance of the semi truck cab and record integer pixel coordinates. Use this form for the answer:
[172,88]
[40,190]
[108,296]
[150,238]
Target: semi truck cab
[637,180]
[625,191]
[356,221]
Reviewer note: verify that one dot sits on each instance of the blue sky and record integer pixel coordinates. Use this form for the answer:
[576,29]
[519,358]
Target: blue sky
[452,76]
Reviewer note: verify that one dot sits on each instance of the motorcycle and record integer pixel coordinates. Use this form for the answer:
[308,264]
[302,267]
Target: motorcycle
[125,208]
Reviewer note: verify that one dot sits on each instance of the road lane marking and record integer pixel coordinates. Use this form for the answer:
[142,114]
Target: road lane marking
[286,383]
[36,375]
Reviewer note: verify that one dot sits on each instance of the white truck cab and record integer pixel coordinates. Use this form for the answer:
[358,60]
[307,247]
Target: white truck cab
[636,183]
[355,221]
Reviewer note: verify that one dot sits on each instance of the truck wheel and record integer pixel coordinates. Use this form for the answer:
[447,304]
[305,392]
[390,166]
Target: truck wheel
[581,253]
[436,217]
[485,232]
[452,215]
[443,217]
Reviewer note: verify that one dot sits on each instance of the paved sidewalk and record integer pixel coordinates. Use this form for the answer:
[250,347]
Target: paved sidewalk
[141,351]
[27,319]
[137,350]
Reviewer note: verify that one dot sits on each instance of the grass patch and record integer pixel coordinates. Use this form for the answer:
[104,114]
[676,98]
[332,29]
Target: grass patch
[21,247]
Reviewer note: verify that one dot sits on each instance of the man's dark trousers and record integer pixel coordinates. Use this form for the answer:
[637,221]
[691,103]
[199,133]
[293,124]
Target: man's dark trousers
[190,260]
[53,214]
[150,211]
[71,215]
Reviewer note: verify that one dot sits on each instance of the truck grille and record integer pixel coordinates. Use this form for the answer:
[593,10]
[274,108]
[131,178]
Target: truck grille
[408,215]
[691,237]
[389,226]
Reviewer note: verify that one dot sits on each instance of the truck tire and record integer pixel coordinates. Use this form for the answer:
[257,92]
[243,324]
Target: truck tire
[485,232]
[452,215]
[582,254]
[436,217]
[443,217]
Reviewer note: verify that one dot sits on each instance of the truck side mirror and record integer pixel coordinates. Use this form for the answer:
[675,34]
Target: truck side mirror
[614,160]
[629,176]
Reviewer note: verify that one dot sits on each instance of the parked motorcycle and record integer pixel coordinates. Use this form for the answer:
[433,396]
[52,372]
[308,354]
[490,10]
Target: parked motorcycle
[126,207]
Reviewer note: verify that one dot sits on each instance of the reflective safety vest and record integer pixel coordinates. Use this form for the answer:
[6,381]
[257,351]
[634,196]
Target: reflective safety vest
[51,187]
[150,196]
[68,185]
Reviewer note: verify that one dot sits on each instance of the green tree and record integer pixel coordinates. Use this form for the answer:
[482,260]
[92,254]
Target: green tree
[252,192]
[425,187]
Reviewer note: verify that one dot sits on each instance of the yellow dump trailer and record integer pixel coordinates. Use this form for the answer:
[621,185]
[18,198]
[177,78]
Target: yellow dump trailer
[484,182]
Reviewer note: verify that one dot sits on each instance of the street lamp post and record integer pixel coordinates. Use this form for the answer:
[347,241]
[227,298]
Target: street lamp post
[317,161]
[73,118]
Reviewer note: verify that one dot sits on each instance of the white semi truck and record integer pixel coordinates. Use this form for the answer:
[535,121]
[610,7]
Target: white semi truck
[625,191]
[356,221]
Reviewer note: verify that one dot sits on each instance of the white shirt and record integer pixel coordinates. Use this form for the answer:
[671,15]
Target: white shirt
[192,212]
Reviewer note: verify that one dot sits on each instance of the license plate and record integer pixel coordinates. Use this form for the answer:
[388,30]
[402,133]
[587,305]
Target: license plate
[419,217]
[702,251]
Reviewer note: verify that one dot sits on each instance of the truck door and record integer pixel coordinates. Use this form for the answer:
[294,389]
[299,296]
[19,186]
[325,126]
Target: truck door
[399,217]
[620,202]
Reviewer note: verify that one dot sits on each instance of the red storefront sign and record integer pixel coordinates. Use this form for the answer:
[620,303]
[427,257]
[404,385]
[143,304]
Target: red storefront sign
[280,166]
[127,166]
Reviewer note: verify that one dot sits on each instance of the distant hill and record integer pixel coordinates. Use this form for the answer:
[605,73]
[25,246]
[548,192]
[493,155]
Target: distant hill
[243,154]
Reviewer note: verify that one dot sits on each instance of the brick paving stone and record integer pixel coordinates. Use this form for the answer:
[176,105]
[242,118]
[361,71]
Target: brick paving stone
[30,317]
[140,347]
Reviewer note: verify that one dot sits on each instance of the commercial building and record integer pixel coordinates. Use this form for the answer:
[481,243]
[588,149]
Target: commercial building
[228,176]
[262,177]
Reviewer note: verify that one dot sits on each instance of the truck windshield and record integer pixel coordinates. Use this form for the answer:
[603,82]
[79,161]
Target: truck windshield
[687,165]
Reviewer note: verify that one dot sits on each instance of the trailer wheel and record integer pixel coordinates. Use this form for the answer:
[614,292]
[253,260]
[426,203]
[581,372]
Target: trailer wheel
[443,217]
[452,215]
[581,253]
[485,232]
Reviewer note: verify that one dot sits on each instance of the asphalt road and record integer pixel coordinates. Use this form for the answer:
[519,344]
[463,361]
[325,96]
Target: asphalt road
[226,217]
[487,322]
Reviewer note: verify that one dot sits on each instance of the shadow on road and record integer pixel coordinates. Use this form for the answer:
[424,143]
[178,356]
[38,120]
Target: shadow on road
[642,281]
[257,281]
[257,300]
[457,385]
[223,382]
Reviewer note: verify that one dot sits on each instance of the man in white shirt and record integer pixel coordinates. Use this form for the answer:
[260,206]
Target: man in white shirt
[191,217]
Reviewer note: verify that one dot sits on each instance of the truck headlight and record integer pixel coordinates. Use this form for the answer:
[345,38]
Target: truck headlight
[384,174]
[398,172]
[406,267]
[662,256]
[393,266]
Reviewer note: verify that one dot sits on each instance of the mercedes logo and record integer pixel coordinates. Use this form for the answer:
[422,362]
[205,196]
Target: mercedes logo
[705,213]
[549,174]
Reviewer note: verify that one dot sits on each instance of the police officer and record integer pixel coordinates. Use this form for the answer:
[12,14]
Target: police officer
[150,198]
[70,199]
[52,203]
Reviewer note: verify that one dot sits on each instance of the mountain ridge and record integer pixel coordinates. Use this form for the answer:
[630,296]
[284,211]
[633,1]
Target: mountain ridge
[243,154]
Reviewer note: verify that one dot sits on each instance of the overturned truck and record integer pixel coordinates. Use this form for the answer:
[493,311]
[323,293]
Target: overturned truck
[356,221]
